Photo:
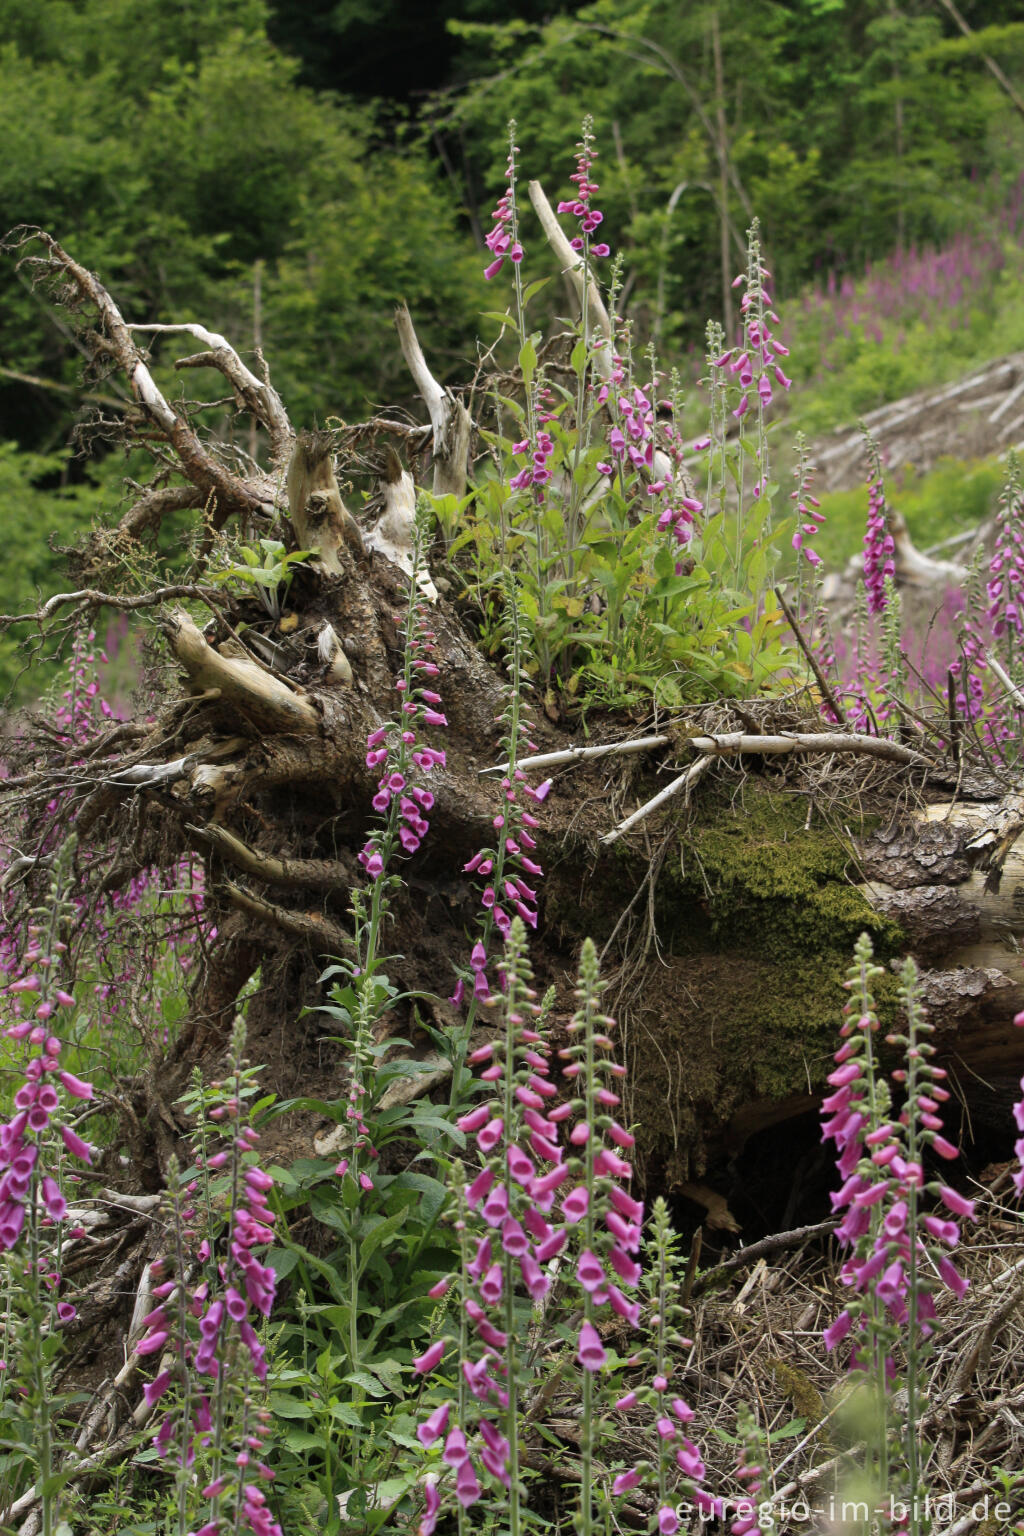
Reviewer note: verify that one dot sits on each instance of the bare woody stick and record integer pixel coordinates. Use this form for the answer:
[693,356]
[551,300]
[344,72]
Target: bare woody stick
[812,660]
[584,754]
[683,784]
[771,746]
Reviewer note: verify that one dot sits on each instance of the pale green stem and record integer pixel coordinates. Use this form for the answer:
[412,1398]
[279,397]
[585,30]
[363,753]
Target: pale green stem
[497,875]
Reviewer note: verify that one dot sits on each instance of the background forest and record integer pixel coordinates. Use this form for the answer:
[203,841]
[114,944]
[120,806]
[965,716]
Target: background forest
[287,172]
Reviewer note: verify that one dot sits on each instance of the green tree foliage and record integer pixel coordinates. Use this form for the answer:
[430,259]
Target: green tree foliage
[40,516]
[170,147]
[849,128]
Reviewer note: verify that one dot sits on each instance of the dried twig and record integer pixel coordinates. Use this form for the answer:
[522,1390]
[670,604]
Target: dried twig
[812,660]
[88,597]
[583,754]
[684,782]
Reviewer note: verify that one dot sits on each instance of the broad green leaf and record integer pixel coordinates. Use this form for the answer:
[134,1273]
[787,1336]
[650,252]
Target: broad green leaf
[367,1383]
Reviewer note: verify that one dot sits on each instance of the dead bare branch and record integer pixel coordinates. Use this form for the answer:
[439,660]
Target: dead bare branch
[113,343]
[89,597]
[449,418]
[256,396]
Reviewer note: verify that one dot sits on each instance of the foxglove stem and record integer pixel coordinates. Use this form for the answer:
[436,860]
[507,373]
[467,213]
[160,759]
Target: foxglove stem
[596,1203]
[587,1019]
[511,826]
[672,1414]
[879,548]
[516,972]
[1005,585]
[910,997]
[717,424]
[581,207]
[31,1199]
[861,1103]
[401,803]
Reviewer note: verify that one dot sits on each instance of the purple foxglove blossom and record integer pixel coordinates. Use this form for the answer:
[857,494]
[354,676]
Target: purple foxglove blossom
[548,1182]
[431,1357]
[630,1310]
[491,1285]
[627,1234]
[520,1165]
[475,1118]
[476,1191]
[455,1449]
[75,1086]
[431,1506]
[895,1219]
[75,1145]
[154,1390]
[624,1266]
[574,1206]
[625,1203]
[946,1231]
[152,1343]
[513,1238]
[668,1520]
[434,1427]
[495,1207]
[550,1247]
[590,1271]
[958,1204]
[625,1481]
[467,1489]
[688,1460]
[53,1200]
[590,1353]
[491,1335]
[951,1276]
[606,1162]
[536,1281]
[490,1135]
[535,1224]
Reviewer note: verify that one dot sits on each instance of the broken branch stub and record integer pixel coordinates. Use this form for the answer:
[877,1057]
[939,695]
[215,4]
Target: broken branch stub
[261,699]
[321,519]
[449,418]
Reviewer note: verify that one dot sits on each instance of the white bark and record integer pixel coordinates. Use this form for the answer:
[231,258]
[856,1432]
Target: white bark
[449,418]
